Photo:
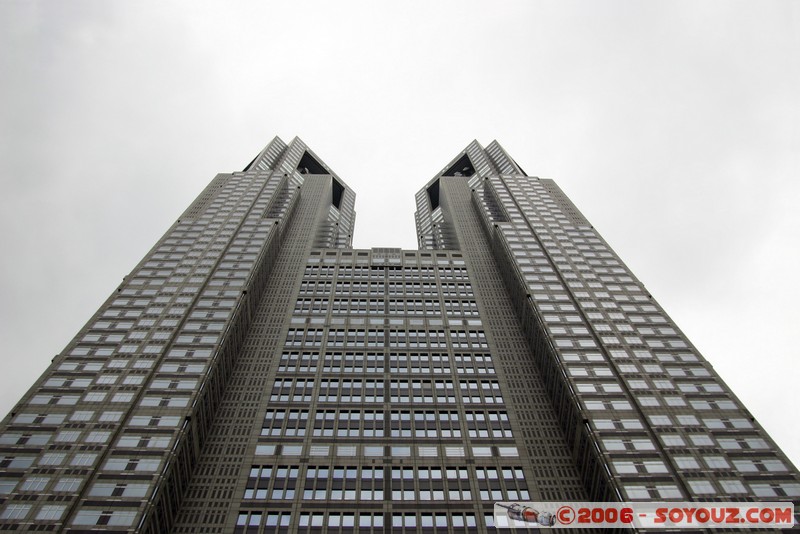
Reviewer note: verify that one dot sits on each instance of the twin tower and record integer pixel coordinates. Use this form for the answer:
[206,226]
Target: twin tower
[255,373]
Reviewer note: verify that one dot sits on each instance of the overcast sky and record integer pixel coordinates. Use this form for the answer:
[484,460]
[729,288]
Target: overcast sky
[673,126]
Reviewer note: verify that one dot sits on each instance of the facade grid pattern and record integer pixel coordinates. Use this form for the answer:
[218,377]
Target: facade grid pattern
[254,373]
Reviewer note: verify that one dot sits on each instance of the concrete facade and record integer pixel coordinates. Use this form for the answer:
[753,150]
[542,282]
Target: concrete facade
[254,373]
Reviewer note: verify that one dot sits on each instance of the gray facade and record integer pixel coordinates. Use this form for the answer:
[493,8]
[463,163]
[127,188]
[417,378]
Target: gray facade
[254,373]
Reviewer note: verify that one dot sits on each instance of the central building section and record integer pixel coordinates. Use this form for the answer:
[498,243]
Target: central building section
[386,406]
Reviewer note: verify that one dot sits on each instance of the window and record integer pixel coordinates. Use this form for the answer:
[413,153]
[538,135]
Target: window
[15,511]
[655,466]
[51,512]
[702,487]
[7,485]
[119,489]
[123,518]
[672,440]
[68,436]
[660,420]
[110,416]
[151,441]
[763,490]
[370,520]
[95,396]
[346,423]
[124,396]
[281,479]
[701,440]
[68,484]
[83,459]
[275,519]
[153,420]
[688,420]
[686,462]
[404,520]
[132,464]
[716,462]
[248,519]
[98,436]
[732,486]
[52,458]
[82,415]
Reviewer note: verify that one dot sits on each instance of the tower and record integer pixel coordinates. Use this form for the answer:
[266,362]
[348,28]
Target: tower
[254,373]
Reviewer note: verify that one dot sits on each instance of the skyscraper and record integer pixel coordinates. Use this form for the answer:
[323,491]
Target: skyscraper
[254,373]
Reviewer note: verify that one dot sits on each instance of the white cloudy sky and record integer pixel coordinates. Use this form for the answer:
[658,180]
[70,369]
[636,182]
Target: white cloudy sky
[672,125]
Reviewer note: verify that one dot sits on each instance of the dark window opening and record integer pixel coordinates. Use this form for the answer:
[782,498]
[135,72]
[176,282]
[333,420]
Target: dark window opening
[433,194]
[462,167]
[308,165]
[338,193]
[251,163]
[520,168]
